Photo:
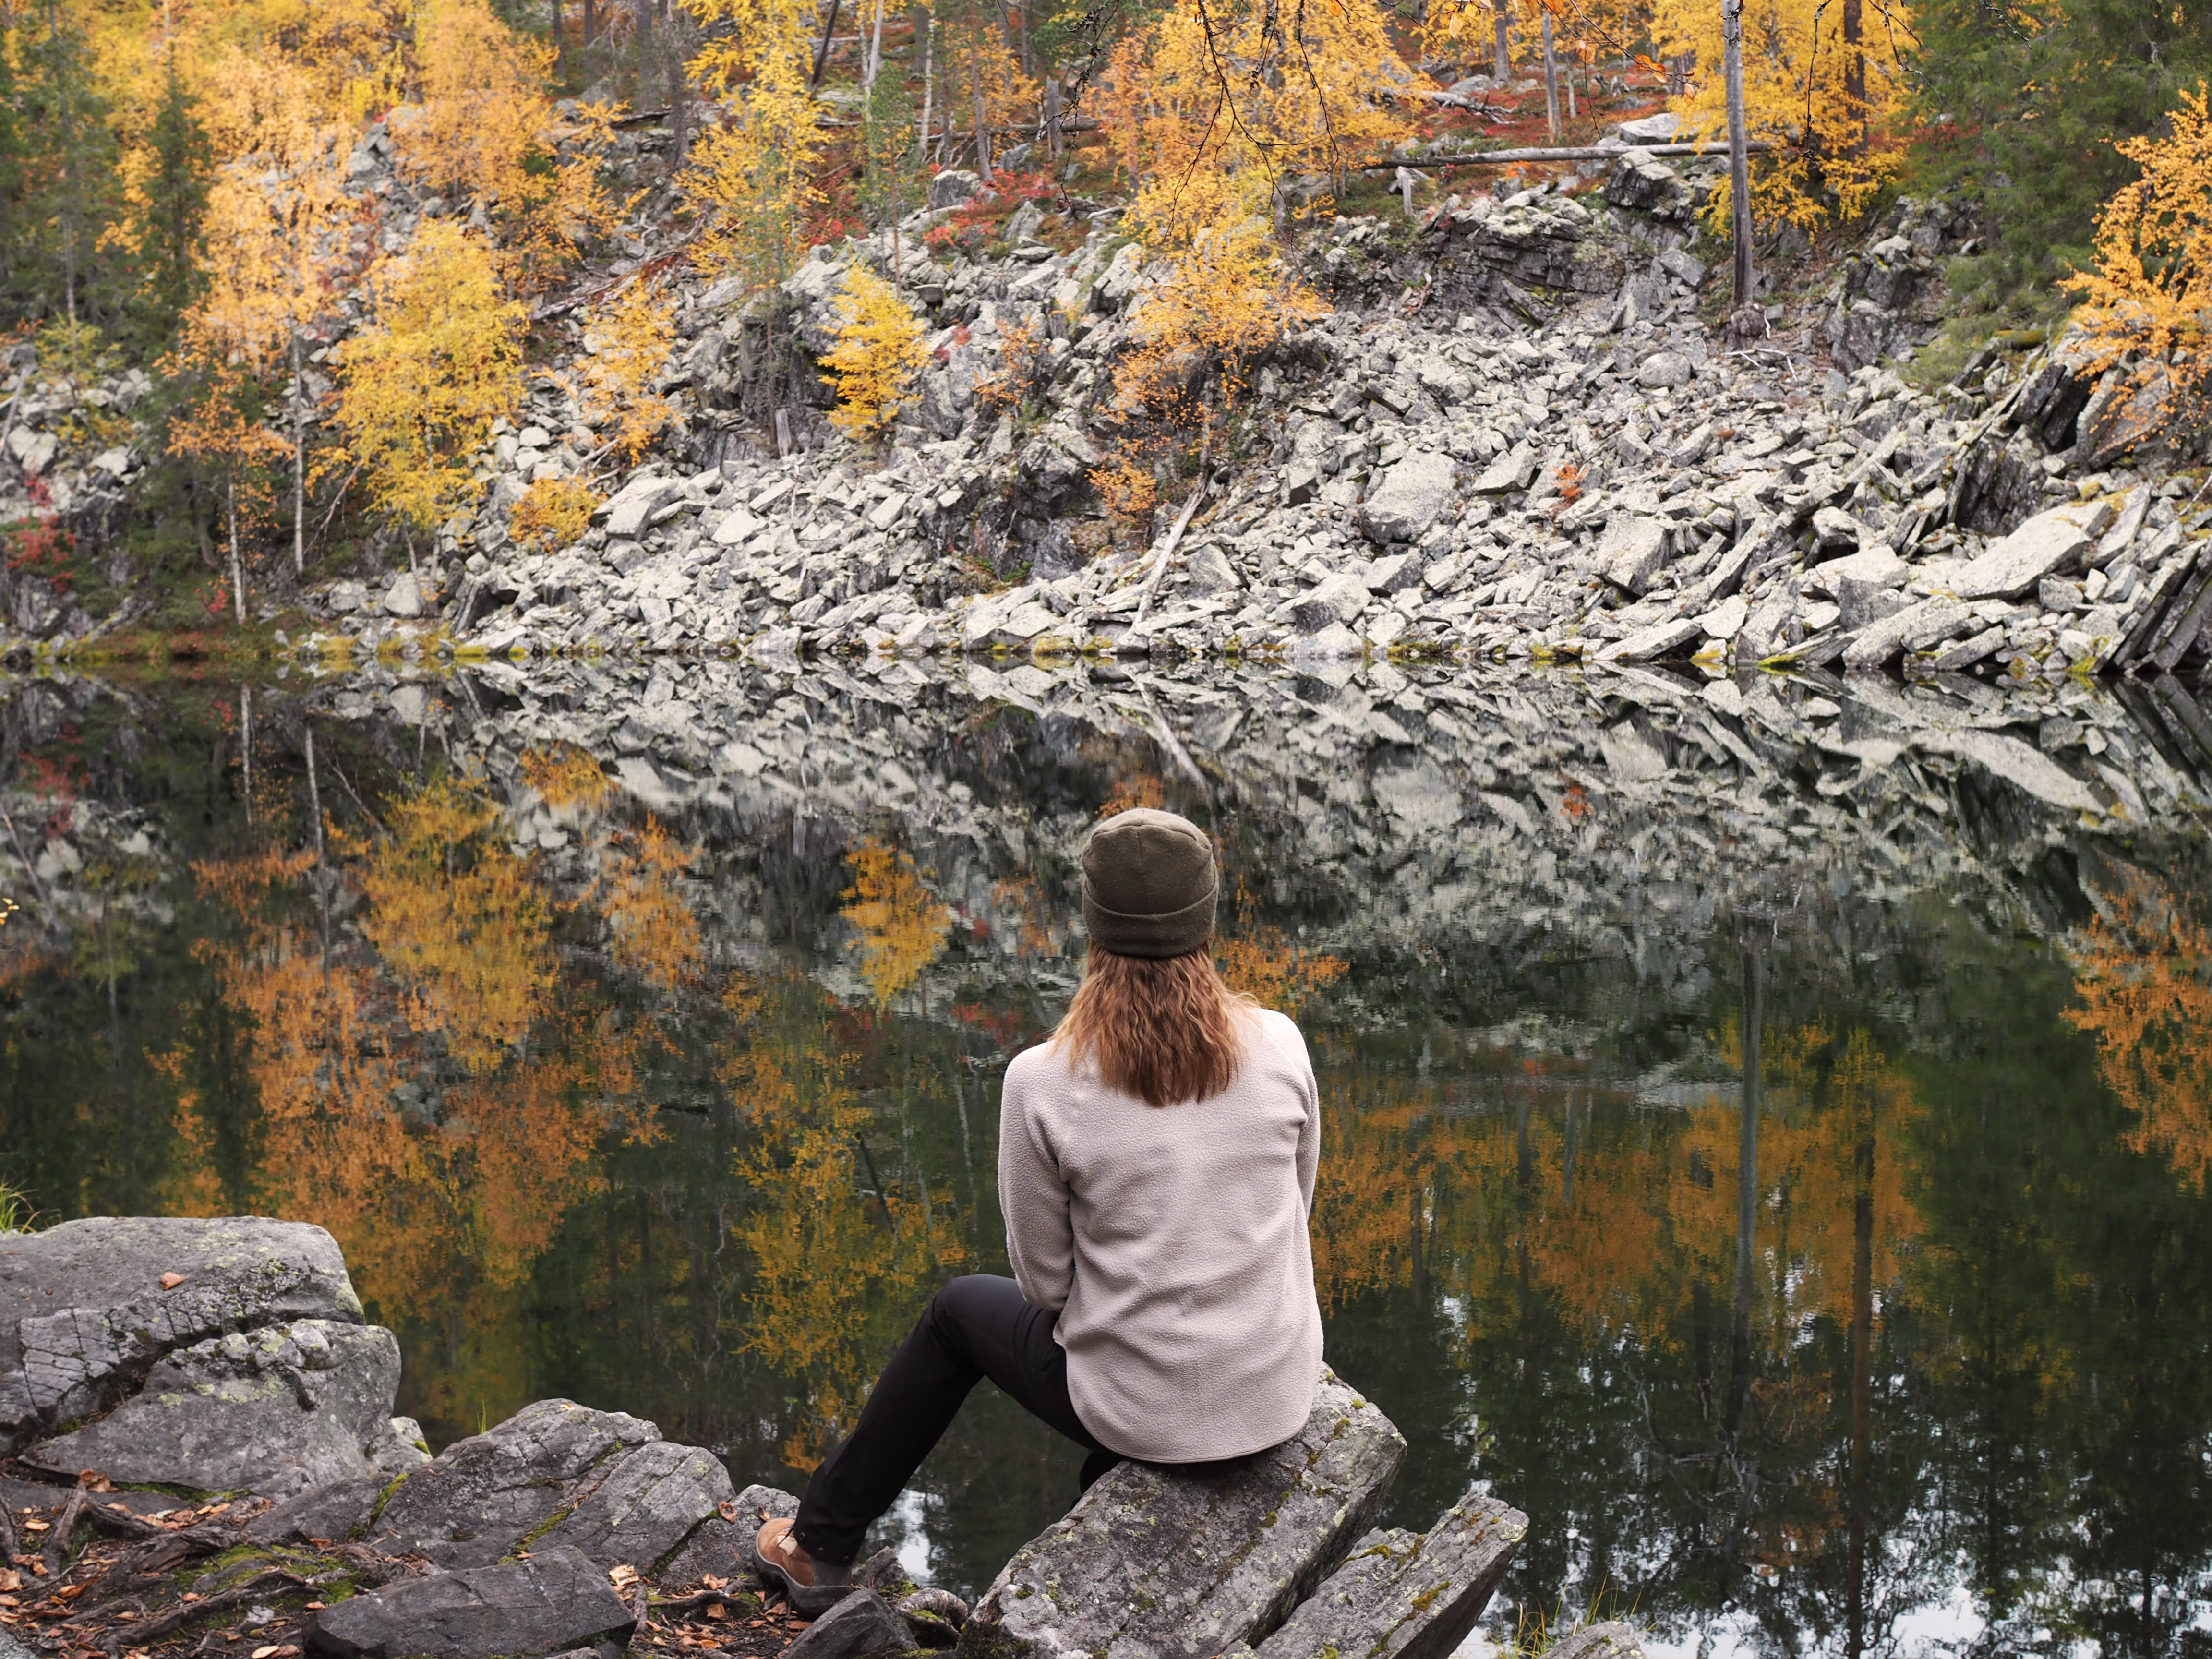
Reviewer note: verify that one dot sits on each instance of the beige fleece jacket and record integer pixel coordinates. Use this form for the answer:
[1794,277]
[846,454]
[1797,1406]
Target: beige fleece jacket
[1173,1242]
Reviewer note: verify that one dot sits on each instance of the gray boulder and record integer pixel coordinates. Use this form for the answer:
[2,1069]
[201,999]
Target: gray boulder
[1411,496]
[276,1410]
[2048,544]
[85,1312]
[863,1623]
[1337,598]
[646,1505]
[555,1601]
[1546,243]
[1632,551]
[1159,1561]
[1407,1595]
[1640,179]
[480,1497]
[950,188]
[723,1546]
[1664,369]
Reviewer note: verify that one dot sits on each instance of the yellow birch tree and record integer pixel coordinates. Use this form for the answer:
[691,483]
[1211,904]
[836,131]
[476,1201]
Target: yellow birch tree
[421,386]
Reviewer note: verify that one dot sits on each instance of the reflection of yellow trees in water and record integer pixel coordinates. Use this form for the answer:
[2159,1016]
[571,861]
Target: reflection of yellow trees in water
[651,927]
[451,949]
[2143,975]
[1274,970]
[1618,1212]
[565,777]
[901,925]
[836,1274]
[460,918]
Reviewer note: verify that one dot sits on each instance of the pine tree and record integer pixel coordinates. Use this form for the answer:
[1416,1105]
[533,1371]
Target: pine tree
[2035,99]
[71,198]
[174,210]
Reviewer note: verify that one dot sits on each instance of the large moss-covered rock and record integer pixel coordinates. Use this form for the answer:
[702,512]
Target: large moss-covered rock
[279,1410]
[559,1473]
[1157,1562]
[87,1308]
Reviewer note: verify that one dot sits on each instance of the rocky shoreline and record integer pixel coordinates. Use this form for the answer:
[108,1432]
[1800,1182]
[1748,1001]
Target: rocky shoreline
[1512,440]
[238,1483]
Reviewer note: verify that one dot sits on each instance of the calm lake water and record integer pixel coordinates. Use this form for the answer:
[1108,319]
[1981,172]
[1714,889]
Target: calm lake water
[1767,1122]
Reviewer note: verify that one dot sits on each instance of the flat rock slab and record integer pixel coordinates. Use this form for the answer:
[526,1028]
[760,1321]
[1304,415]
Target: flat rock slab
[85,1310]
[2048,544]
[1159,1563]
[276,1410]
[1407,1595]
[647,1505]
[552,1602]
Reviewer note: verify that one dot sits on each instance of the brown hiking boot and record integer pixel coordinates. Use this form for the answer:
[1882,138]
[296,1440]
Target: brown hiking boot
[811,1587]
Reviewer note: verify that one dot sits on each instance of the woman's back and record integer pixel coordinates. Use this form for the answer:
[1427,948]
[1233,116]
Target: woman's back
[1173,1241]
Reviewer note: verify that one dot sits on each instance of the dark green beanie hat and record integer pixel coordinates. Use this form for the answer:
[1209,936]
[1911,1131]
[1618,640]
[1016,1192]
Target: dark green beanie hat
[1148,884]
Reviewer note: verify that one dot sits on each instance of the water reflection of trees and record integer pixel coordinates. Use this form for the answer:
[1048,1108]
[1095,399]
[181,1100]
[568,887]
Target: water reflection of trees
[687,1116]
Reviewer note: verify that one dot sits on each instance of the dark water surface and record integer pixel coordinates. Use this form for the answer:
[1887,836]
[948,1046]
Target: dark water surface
[639,1034]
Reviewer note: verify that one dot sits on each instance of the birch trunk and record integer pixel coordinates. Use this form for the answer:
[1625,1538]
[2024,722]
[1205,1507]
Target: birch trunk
[1551,82]
[1739,157]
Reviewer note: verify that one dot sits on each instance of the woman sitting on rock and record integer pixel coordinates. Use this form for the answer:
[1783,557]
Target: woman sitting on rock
[1155,1168]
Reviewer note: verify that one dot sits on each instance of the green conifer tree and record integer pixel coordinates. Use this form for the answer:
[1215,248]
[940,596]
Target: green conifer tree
[176,203]
[2032,98]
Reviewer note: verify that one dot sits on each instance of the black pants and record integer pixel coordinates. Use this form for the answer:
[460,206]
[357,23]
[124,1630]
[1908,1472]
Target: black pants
[974,1328]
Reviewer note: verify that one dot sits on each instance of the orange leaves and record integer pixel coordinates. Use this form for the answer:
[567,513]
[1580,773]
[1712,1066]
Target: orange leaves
[651,927]
[2144,977]
[553,513]
[1275,972]
[878,355]
[901,925]
[565,777]
[458,918]
[2152,289]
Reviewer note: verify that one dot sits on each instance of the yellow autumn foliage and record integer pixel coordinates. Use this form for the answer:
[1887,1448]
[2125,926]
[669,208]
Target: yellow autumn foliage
[421,386]
[2142,978]
[2151,291]
[1832,107]
[552,512]
[626,350]
[878,355]
[458,918]
[900,923]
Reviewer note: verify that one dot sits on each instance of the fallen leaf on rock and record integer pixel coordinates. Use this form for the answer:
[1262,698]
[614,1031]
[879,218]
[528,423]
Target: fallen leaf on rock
[269,1652]
[727,1509]
[170,1281]
[621,1576]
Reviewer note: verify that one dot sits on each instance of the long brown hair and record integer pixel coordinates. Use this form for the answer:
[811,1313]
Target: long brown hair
[1163,1029]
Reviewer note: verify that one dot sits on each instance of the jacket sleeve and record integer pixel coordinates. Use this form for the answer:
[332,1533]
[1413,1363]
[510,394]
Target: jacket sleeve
[1033,1198]
[1310,1132]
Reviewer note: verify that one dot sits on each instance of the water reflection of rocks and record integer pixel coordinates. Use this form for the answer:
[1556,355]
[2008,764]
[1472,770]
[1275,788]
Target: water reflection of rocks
[617,1014]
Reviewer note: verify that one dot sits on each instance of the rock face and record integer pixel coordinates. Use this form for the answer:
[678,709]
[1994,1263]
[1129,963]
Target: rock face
[606,1483]
[281,1409]
[226,1354]
[1170,1562]
[863,1623]
[2045,545]
[555,1601]
[1407,1596]
[1411,494]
